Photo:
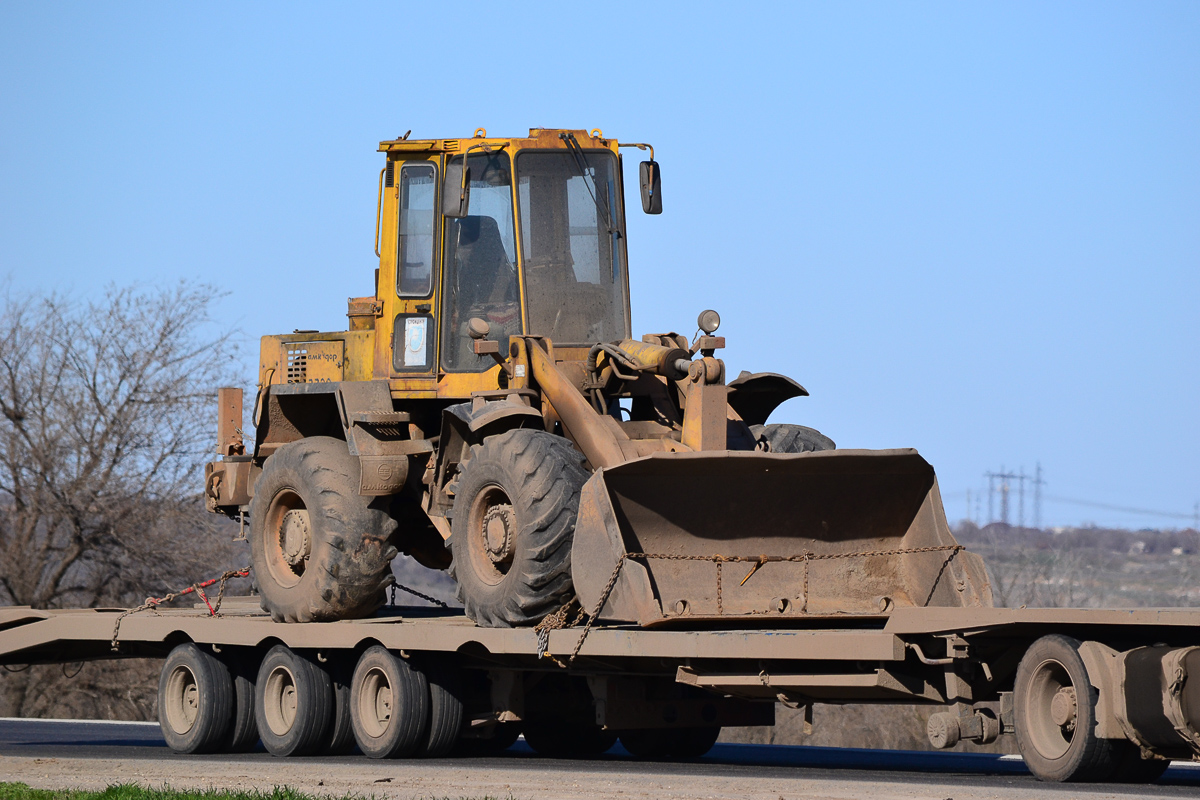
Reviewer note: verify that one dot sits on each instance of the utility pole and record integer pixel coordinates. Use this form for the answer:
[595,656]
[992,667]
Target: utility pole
[991,497]
[1003,481]
[1004,487]
[1037,497]
[1021,499]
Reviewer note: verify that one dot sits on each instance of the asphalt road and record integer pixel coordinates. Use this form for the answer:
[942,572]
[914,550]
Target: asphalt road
[59,754]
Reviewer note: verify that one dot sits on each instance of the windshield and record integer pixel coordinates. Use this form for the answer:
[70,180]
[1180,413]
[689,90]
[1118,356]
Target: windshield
[574,273]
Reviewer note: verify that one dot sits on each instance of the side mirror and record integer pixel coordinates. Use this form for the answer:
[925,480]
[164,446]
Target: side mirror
[456,190]
[651,181]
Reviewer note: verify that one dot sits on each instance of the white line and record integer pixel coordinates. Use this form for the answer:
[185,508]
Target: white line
[78,721]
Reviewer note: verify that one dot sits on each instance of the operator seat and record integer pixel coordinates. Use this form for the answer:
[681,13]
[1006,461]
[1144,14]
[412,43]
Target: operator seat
[484,273]
[484,284]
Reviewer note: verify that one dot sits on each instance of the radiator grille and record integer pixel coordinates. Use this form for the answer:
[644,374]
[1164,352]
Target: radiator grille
[297,363]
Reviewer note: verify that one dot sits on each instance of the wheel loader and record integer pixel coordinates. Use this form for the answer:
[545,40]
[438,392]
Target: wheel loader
[489,412]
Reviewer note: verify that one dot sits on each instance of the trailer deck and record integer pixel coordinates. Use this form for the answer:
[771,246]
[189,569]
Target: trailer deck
[1129,687]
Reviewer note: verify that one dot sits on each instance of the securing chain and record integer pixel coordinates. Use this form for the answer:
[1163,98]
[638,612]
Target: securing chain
[758,561]
[197,588]
[414,593]
[554,622]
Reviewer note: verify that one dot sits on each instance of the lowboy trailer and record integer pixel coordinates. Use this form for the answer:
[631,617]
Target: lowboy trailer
[1090,694]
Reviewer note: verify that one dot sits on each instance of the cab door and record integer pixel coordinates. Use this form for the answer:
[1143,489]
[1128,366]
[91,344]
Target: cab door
[411,352]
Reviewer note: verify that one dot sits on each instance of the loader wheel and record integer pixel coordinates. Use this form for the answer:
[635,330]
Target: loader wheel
[195,701]
[320,550]
[792,438]
[514,516]
[1055,710]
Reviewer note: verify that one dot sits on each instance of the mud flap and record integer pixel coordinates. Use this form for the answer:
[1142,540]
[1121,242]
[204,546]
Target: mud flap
[691,536]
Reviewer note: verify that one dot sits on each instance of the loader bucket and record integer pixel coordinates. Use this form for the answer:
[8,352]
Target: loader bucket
[757,537]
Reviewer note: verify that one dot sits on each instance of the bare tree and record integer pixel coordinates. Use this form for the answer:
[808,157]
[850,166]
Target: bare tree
[107,415]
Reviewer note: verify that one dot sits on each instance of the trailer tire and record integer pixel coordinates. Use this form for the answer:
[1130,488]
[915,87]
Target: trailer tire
[1130,767]
[514,518]
[647,742]
[341,731]
[294,711]
[1055,710]
[568,738]
[320,551]
[784,438]
[243,733]
[445,711]
[693,742]
[389,705]
[195,701]
[503,737]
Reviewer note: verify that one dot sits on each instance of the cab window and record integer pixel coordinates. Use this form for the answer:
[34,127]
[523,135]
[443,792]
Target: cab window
[481,266]
[414,257]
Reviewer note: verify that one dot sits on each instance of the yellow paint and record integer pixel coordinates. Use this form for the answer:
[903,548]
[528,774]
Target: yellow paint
[367,354]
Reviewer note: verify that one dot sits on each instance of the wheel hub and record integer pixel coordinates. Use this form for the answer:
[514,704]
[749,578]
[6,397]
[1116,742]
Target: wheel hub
[497,533]
[294,538]
[1063,708]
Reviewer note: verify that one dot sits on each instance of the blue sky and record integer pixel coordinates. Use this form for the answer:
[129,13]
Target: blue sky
[973,229]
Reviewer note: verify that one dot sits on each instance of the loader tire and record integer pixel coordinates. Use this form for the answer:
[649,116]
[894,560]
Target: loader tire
[320,551]
[792,438]
[514,517]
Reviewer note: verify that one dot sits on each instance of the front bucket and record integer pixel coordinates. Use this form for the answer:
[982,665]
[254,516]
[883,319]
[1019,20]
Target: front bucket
[677,536]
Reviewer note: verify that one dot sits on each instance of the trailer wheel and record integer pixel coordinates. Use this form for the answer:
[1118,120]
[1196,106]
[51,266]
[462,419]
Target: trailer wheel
[294,711]
[320,551]
[1055,709]
[792,438]
[195,701]
[445,711]
[243,734]
[503,737]
[647,742]
[514,516]
[568,738]
[693,742]
[341,731]
[1132,768]
[389,705]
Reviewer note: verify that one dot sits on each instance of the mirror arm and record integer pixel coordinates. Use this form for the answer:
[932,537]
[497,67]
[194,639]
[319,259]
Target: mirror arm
[639,146]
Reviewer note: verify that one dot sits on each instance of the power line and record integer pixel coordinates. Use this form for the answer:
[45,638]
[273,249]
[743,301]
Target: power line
[1126,509]
[1004,482]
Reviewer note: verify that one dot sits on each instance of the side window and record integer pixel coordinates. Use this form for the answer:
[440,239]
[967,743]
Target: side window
[414,255]
[481,266]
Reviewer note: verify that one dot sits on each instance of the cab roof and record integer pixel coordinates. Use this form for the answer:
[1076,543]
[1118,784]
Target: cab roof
[538,137]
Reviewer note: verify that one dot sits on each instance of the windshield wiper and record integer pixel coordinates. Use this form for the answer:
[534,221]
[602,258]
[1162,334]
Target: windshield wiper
[582,165]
